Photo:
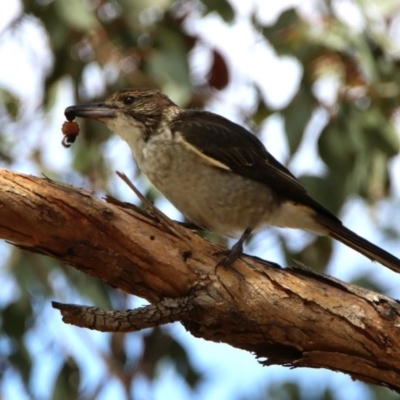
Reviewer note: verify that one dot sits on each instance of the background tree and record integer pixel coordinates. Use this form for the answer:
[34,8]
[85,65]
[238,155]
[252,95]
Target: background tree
[342,108]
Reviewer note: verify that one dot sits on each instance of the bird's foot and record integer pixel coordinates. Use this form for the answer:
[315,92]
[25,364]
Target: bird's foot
[230,256]
[234,253]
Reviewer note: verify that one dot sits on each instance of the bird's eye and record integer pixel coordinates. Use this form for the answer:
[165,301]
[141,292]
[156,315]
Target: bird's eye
[129,100]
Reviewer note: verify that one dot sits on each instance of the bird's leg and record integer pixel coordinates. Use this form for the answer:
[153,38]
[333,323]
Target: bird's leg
[236,250]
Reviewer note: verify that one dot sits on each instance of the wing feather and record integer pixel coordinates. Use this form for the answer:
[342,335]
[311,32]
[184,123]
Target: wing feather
[229,146]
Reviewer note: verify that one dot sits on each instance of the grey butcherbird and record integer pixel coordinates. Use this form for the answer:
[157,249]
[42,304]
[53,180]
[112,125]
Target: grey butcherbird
[218,174]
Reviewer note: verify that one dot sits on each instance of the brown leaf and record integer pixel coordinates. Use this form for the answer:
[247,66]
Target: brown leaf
[218,76]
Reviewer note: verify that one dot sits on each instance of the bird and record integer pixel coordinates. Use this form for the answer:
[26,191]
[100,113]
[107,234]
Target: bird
[218,174]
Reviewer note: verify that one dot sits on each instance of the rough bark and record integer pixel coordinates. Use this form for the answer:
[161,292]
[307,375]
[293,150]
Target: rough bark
[293,316]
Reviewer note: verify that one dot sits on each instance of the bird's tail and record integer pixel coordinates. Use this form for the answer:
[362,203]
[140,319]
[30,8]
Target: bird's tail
[363,246]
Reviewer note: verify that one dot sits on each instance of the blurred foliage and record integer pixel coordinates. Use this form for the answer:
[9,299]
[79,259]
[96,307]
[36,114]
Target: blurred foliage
[148,44]
[291,391]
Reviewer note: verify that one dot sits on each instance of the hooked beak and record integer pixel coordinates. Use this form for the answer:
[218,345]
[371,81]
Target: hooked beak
[94,111]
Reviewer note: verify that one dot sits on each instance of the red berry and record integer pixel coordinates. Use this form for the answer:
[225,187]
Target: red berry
[70,128]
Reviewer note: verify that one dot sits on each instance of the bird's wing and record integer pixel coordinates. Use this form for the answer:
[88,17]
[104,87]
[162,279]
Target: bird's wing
[231,147]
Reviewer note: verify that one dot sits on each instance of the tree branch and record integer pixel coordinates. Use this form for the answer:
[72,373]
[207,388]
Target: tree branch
[294,317]
[163,312]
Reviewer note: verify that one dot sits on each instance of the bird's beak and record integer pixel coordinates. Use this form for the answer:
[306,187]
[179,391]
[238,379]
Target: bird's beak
[94,111]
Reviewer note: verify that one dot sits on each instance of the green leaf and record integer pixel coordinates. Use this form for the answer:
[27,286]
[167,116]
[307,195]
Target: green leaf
[336,146]
[333,37]
[366,282]
[160,346]
[76,13]
[297,115]
[15,317]
[285,33]
[168,61]
[316,254]
[382,393]
[286,19]
[67,383]
[261,113]
[329,190]
[178,356]
[222,7]
[380,133]
[22,361]
[10,102]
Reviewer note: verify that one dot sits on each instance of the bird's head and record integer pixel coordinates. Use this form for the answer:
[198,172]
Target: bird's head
[129,111]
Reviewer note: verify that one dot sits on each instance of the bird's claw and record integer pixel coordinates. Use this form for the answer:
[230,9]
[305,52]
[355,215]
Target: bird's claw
[230,256]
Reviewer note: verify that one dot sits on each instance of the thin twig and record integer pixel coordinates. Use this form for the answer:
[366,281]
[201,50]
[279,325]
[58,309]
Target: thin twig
[166,222]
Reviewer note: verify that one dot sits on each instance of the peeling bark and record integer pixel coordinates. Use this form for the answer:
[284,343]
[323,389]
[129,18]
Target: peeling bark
[294,316]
